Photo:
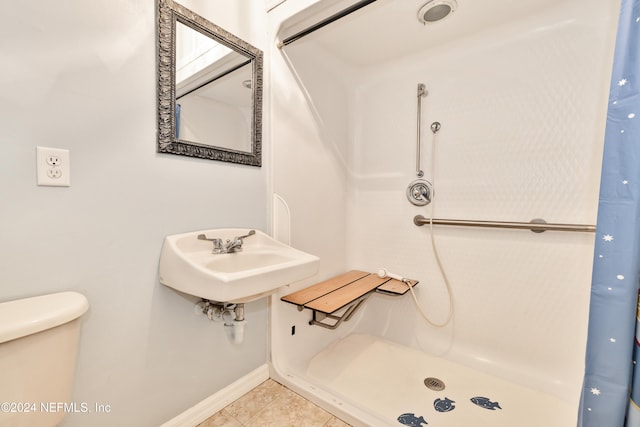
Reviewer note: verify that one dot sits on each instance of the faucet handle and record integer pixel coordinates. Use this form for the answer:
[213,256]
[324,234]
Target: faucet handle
[204,237]
[217,243]
[235,245]
[250,233]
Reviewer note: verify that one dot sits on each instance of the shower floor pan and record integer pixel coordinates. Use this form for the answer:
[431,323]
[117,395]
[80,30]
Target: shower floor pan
[389,379]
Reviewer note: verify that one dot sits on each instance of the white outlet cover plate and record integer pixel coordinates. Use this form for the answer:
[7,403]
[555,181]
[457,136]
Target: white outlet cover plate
[56,176]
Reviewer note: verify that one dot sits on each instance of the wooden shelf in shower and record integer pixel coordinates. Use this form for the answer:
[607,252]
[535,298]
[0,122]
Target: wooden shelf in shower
[346,291]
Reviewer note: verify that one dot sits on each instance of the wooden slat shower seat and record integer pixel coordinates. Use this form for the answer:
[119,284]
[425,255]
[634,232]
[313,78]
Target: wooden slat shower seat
[347,291]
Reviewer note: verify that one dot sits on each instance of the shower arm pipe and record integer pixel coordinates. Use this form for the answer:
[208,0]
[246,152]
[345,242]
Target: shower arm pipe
[422,92]
[537,225]
[336,16]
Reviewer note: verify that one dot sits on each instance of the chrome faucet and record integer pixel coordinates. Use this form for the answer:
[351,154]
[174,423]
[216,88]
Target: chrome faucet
[228,247]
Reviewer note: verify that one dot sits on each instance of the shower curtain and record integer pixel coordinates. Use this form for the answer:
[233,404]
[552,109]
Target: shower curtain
[607,394]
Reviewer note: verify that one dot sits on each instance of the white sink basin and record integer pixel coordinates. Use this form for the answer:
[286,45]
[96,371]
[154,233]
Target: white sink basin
[188,265]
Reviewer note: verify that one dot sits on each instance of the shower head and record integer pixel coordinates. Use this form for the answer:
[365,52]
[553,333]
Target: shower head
[382,273]
[436,10]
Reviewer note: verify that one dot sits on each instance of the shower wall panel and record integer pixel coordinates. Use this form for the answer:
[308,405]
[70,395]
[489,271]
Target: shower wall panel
[522,108]
[311,110]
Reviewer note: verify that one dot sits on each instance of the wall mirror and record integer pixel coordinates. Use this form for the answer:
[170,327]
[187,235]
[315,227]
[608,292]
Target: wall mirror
[209,89]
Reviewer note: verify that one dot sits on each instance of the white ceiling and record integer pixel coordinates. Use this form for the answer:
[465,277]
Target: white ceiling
[388,29]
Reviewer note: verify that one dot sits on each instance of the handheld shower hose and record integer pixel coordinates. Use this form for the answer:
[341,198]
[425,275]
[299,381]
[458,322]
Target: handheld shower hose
[435,127]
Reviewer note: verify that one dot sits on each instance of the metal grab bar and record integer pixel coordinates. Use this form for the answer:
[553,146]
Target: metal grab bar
[536,225]
[422,92]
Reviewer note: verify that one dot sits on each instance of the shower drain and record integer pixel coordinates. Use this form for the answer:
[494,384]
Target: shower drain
[434,384]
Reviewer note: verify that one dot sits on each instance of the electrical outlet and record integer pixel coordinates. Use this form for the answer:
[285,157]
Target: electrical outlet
[53,166]
[52,159]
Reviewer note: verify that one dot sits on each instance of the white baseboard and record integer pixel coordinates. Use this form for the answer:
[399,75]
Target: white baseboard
[216,402]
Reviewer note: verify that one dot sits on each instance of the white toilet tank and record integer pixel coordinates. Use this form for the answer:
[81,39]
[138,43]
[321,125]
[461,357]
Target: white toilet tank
[38,344]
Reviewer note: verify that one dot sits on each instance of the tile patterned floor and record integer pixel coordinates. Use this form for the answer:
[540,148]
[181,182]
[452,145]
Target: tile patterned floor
[272,405]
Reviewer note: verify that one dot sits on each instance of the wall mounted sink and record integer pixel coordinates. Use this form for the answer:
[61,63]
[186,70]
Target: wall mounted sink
[188,265]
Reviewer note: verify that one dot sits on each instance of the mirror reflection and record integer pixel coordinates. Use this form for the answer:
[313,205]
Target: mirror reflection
[213,92]
[209,89]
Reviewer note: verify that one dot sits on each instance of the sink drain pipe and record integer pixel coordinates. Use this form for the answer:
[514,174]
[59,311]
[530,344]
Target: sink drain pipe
[234,327]
[231,314]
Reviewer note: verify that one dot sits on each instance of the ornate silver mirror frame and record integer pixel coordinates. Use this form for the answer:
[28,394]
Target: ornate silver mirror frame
[170,14]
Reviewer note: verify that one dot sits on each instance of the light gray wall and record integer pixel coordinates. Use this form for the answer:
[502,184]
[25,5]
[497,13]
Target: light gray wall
[81,76]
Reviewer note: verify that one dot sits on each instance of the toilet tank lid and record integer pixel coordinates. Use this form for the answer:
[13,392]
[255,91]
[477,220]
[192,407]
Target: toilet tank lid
[27,316]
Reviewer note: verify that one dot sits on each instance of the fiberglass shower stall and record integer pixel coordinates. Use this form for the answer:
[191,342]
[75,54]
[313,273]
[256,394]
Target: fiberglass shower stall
[520,89]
